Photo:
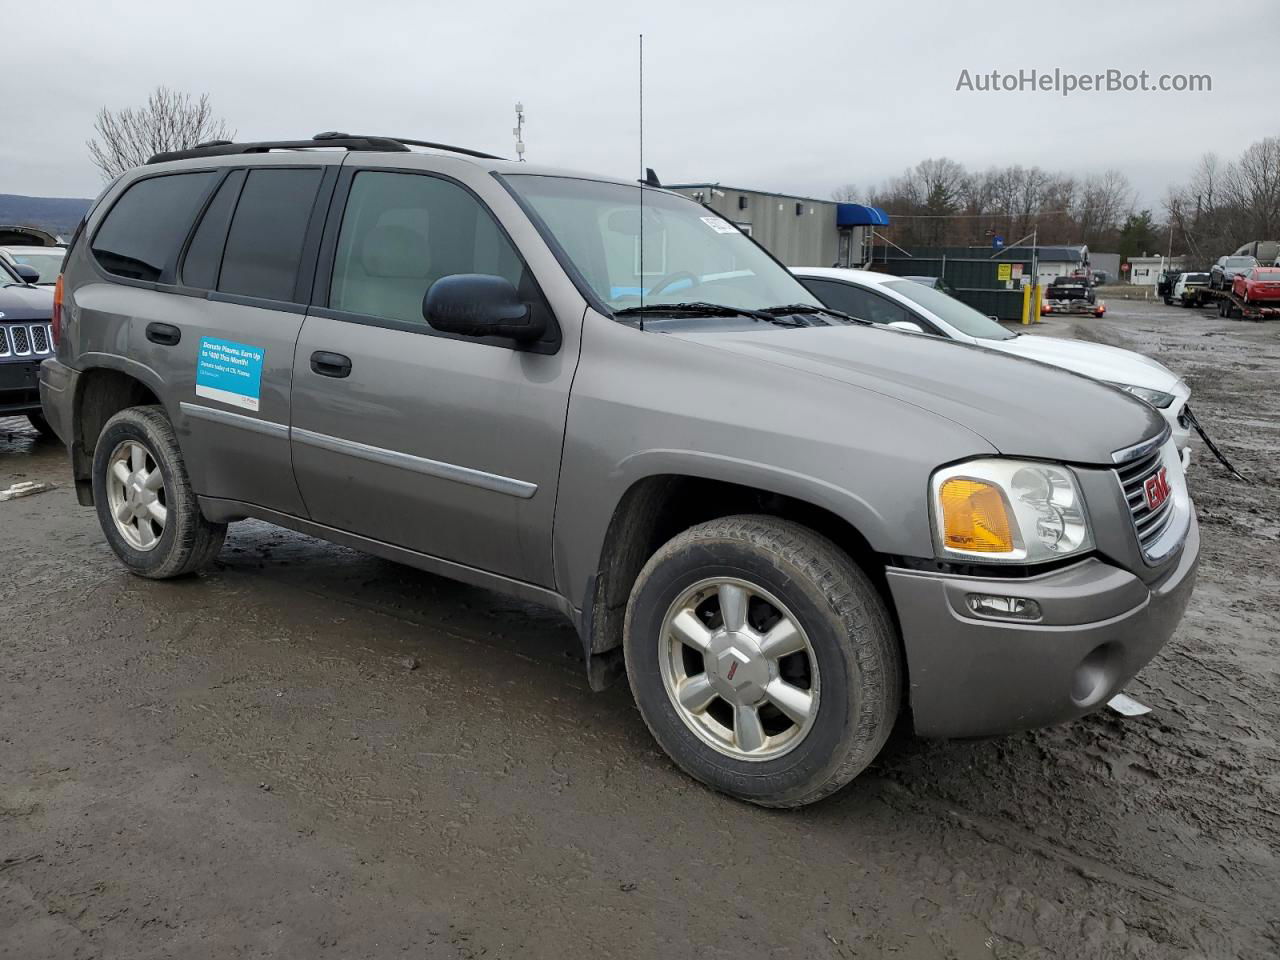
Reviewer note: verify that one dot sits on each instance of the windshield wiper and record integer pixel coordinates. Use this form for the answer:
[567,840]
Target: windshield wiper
[808,308]
[695,309]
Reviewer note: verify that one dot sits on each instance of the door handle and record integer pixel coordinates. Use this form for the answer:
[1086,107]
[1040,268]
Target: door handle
[330,364]
[165,334]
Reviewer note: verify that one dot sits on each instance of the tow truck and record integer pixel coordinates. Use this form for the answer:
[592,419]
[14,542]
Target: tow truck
[1072,295]
[1234,307]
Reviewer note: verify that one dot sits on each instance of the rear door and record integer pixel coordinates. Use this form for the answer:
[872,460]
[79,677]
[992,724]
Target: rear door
[446,445]
[246,274]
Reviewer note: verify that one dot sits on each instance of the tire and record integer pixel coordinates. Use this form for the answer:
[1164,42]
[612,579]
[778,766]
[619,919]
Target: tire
[41,426]
[184,541]
[852,652]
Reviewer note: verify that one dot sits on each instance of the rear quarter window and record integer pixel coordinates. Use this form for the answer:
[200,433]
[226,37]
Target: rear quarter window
[144,230]
[204,253]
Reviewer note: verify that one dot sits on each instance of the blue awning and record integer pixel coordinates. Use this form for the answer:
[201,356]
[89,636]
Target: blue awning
[860,215]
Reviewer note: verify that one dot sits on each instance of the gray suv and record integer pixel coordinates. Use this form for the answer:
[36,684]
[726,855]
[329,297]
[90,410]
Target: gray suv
[783,524]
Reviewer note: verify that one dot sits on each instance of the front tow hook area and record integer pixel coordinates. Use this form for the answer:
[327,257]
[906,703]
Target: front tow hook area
[1126,706]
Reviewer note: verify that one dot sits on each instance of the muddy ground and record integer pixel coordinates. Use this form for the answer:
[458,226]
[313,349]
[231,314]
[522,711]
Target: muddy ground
[244,764]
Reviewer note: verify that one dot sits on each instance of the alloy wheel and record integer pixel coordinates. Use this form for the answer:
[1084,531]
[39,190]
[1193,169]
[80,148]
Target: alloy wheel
[739,669]
[136,495]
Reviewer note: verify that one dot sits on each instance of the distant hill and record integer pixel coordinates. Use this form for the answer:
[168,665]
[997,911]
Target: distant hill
[58,215]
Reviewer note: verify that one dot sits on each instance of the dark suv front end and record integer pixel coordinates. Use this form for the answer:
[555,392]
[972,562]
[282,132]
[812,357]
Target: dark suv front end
[26,339]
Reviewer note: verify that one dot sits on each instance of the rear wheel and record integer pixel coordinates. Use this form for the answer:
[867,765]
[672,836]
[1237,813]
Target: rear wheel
[762,659]
[145,503]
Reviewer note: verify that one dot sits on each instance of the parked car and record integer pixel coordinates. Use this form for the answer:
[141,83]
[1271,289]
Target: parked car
[1186,290]
[1223,273]
[778,520]
[1260,284]
[937,283]
[889,300]
[1068,289]
[1100,278]
[25,340]
[47,261]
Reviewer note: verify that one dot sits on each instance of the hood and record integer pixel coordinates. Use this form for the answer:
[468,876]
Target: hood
[26,303]
[1020,407]
[1096,360]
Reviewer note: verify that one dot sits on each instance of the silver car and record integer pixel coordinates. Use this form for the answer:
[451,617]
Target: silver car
[783,524]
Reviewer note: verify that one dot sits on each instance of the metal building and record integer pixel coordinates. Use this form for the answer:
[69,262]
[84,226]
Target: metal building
[799,231]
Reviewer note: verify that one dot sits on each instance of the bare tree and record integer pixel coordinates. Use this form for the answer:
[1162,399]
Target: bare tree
[1253,188]
[849,193]
[1103,201]
[170,120]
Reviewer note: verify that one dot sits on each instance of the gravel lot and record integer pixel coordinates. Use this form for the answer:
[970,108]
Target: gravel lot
[309,752]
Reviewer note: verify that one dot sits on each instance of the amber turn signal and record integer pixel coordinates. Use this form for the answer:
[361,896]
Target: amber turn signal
[975,516]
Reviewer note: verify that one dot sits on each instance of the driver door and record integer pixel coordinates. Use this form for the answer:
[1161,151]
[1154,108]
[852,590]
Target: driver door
[442,444]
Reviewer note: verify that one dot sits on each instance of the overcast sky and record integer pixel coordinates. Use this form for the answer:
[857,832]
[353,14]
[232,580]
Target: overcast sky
[789,95]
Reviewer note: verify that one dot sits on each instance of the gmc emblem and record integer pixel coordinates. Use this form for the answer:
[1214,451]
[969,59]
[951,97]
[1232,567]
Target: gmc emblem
[1156,488]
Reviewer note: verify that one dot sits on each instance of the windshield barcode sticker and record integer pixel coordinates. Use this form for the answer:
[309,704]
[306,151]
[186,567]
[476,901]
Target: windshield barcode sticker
[718,225]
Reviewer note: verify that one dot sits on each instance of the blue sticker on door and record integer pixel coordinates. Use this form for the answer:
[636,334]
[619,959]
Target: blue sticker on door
[230,372]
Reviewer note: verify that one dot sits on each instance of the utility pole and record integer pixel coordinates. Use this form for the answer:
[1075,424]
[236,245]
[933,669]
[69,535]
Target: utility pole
[518,130]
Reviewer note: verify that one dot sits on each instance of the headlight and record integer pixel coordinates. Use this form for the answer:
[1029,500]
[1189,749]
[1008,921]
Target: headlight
[1157,398]
[1008,511]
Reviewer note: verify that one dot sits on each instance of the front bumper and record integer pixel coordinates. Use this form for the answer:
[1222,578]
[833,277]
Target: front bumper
[973,676]
[19,387]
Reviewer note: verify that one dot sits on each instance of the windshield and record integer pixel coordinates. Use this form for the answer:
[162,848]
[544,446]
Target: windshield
[1240,261]
[1197,278]
[49,264]
[689,253]
[950,310]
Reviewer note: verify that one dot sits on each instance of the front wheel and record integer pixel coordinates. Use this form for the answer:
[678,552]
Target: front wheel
[145,503]
[762,659]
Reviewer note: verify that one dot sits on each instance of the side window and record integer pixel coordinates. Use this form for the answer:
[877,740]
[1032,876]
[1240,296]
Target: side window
[855,301]
[144,231]
[264,244]
[204,254]
[400,233]
[834,294]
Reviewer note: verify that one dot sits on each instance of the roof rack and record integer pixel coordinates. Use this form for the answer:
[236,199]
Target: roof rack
[225,148]
[421,143]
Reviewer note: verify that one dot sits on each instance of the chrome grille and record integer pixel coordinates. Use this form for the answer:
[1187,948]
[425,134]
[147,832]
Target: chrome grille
[21,340]
[28,340]
[1148,524]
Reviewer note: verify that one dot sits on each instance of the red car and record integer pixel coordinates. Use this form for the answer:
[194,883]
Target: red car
[1260,283]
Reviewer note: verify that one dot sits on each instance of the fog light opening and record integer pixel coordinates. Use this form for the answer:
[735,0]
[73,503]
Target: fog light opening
[1003,608]
[1095,676]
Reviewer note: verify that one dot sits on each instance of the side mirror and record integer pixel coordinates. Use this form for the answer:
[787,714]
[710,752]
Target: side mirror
[26,272]
[905,325]
[480,305]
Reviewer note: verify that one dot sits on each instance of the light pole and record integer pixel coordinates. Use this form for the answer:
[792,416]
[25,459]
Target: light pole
[518,131]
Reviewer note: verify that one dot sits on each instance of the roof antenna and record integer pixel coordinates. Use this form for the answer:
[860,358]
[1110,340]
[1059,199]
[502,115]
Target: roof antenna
[518,131]
[642,171]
